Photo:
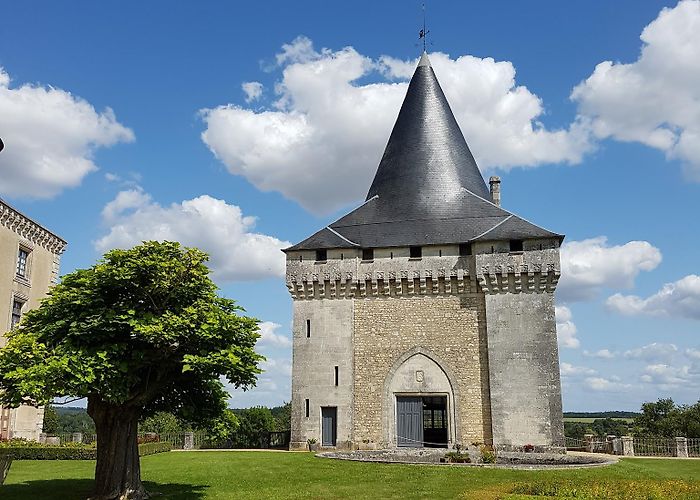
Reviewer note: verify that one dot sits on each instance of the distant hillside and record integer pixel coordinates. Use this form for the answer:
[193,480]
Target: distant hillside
[69,410]
[601,414]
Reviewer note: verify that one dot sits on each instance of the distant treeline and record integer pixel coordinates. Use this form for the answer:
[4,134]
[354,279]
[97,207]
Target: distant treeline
[601,414]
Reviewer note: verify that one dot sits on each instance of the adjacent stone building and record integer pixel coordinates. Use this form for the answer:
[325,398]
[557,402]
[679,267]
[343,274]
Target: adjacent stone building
[425,317]
[29,260]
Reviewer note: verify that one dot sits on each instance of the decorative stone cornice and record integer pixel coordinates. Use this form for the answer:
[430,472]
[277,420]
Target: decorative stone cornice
[30,230]
[521,272]
[380,284]
[534,271]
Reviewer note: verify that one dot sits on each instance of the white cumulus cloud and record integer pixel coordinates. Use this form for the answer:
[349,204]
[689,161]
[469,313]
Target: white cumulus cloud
[589,265]
[236,251]
[656,99]
[269,335]
[680,299]
[654,352]
[253,90]
[320,141]
[567,369]
[610,384]
[566,329]
[669,377]
[50,137]
[601,354]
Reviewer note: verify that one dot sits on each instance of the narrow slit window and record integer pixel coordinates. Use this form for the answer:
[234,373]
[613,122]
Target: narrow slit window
[321,255]
[301,258]
[440,253]
[367,254]
[465,249]
[516,245]
[342,256]
[308,328]
[335,375]
[416,252]
[306,407]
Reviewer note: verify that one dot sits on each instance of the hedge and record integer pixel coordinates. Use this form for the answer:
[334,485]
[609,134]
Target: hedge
[153,448]
[73,452]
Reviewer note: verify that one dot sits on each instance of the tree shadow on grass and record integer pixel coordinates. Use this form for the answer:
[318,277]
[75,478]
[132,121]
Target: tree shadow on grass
[77,489]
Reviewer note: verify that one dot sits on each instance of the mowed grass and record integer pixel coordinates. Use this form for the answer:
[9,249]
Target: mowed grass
[262,475]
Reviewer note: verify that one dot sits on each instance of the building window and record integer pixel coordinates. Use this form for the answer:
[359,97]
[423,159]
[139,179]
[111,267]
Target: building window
[306,407]
[16,312]
[22,260]
[416,252]
[465,249]
[342,256]
[336,375]
[301,258]
[516,245]
[308,328]
[321,255]
[367,254]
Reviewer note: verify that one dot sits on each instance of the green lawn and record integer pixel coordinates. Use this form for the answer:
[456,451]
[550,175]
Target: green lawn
[261,475]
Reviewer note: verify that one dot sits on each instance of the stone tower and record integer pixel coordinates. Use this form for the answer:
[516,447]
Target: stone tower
[425,317]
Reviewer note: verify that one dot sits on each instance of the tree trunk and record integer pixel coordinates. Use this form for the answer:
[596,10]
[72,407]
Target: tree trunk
[118,470]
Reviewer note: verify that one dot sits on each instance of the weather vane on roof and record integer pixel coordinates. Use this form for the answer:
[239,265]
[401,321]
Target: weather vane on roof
[423,34]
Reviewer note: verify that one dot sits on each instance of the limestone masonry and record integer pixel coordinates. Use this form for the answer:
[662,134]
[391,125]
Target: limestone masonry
[425,317]
[29,260]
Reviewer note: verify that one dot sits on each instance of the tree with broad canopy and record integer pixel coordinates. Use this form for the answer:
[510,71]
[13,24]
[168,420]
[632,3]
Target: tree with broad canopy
[141,331]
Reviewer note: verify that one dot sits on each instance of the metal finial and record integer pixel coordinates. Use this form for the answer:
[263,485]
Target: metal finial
[423,34]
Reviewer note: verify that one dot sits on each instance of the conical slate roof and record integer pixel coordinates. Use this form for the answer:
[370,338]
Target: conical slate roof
[428,189]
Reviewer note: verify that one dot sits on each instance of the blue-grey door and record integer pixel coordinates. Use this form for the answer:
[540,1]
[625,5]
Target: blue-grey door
[329,419]
[409,421]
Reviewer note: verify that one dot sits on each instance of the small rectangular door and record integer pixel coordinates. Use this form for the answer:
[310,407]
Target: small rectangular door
[409,421]
[329,425]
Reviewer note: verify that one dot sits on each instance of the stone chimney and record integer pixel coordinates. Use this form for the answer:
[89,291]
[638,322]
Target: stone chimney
[495,185]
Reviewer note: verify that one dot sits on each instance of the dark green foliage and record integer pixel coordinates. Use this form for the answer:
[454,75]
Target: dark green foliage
[253,423]
[141,331]
[153,448]
[283,416]
[666,419]
[599,427]
[143,326]
[50,420]
[20,449]
[73,419]
[601,414]
[163,422]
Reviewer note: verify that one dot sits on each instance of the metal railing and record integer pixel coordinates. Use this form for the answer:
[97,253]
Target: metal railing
[654,447]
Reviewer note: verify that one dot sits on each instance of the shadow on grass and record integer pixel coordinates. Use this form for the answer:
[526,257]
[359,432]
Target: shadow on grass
[75,489]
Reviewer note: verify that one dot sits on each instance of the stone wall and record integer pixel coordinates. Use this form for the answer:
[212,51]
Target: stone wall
[522,347]
[42,268]
[450,327]
[313,374]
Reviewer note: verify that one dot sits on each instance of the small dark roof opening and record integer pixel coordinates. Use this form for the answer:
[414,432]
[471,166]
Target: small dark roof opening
[367,254]
[416,252]
[516,245]
[465,249]
[321,255]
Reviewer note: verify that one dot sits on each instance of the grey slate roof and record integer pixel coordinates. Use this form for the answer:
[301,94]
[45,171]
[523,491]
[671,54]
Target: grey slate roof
[428,189]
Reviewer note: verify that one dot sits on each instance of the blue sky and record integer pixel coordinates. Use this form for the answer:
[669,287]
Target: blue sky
[243,127]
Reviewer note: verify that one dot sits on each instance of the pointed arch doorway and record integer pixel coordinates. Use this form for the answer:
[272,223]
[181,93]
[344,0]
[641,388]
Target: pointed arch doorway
[419,403]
